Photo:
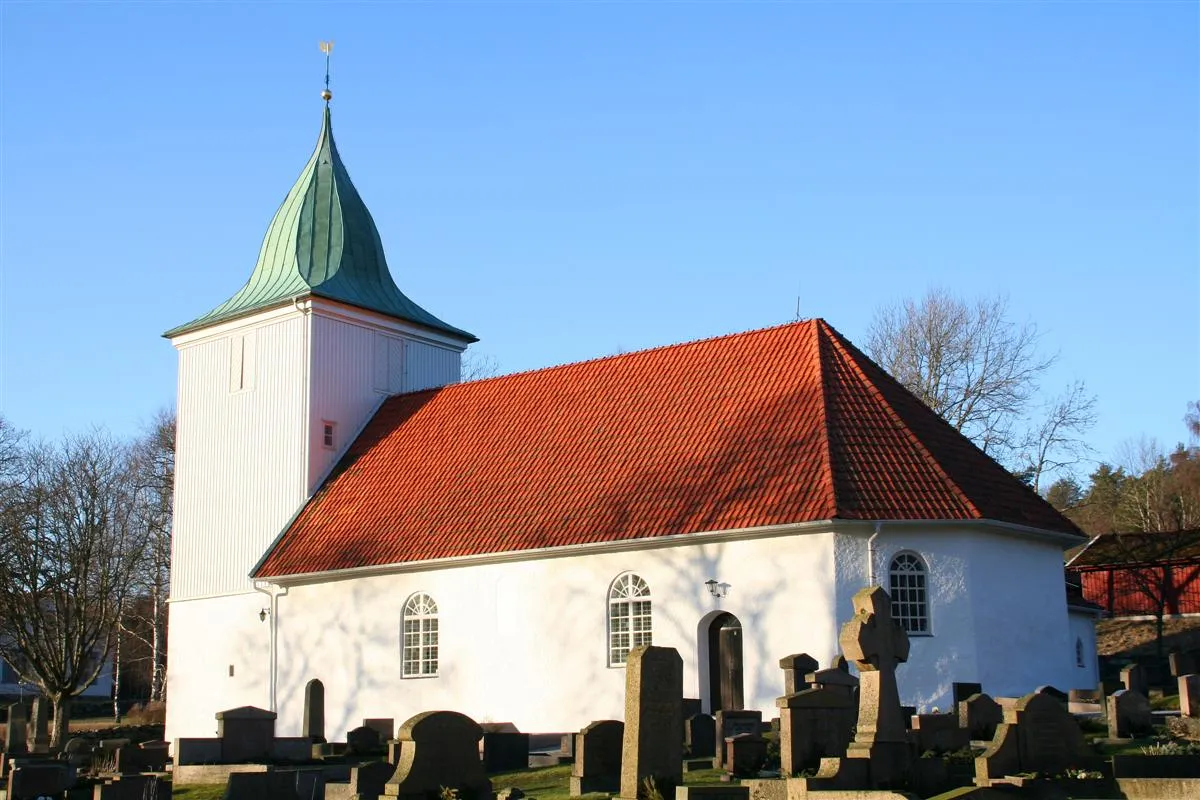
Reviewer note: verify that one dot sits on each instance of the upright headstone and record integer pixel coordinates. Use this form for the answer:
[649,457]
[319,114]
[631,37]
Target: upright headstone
[39,726]
[979,715]
[795,667]
[814,724]
[14,734]
[246,733]
[385,727]
[1134,678]
[34,781]
[597,766]
[962,691]
[732,723]
[312,725]
[700,736]
[745,754]
[439,750]
[1038,735]
[364,741]
[1128,714]
[652,748]
[1182,663]
[505,751]
[1189,695]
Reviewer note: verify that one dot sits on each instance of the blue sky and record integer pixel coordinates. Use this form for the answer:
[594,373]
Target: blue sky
[569,180]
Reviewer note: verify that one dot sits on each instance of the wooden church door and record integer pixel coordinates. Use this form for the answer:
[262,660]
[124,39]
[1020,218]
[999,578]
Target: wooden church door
[725,663]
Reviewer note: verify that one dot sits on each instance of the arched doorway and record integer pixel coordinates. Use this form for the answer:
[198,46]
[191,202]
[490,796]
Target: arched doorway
[725,664]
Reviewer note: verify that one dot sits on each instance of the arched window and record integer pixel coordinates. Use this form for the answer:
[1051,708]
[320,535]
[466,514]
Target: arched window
[420,637]
[910,603]
[1078,652]
[628,617]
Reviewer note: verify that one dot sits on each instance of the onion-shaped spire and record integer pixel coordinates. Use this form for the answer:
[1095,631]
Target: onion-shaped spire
[324,243]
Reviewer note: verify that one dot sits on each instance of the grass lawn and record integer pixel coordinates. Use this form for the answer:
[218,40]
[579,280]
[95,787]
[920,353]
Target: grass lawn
[199,792]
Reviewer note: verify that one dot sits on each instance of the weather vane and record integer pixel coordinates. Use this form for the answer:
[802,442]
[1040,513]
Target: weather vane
[326,48]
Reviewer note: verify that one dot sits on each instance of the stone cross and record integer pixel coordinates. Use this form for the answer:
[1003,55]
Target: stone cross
[876,643]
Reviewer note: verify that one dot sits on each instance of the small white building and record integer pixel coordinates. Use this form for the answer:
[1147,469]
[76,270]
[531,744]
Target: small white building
[346,511]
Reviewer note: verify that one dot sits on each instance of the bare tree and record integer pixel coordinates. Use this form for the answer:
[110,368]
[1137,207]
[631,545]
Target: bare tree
[967,361]
[1057,444]
[66,565]
[476,366]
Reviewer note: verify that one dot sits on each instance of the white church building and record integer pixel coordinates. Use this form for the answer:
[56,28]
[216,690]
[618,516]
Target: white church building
[347,511]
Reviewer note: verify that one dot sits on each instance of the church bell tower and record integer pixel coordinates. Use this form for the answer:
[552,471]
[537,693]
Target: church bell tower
[273,385]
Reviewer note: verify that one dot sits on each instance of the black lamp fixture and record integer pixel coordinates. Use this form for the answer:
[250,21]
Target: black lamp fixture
[716,589]
[263,614]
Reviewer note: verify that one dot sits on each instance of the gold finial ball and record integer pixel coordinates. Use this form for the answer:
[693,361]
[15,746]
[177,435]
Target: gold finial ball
[326,95]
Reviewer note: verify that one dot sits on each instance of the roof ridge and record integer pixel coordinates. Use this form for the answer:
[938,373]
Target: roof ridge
[823,410]
[853,354]
[616,356]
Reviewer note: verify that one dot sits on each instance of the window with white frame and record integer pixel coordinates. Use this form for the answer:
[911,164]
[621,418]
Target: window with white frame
[420,637]
[908,588]
[628,617]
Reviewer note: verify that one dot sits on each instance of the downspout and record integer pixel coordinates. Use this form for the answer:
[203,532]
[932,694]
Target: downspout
[871,553]
[273,593]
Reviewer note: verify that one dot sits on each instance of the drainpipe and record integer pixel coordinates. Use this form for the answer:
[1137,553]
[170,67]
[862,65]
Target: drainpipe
[871,553]
[273,594]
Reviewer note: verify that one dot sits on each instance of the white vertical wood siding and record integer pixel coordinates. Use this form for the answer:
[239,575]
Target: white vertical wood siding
[240,463]
[427,365]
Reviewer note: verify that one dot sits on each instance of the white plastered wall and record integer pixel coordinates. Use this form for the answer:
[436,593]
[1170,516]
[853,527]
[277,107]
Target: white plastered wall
[526,641]
[1083,627]
[997,608]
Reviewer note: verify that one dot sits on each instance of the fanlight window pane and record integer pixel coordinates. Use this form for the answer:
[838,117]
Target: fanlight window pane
[420,639]
[910,604]
[629,620]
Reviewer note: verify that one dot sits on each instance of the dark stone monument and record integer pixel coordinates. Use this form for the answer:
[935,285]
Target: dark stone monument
[597,766]
[979,715]
[1128,714]
[439,749]
[700,736]
[34,781]
[795,667]
[367,780]
[15,732]
[745,754]
[1038,735]
[962,691]
[364,741]
[1189,695]
[312,725]
[652,747]
[731,723]
[1182,664]
[505,751]
[384,726]
[133,787]
[814,724]
[1134,678]
[939,733]
[246,733]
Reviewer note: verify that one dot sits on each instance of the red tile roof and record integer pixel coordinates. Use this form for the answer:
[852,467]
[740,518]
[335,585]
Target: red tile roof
[783,425]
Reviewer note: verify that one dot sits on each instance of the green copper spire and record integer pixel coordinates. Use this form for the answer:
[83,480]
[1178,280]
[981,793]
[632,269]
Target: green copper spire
[322,242]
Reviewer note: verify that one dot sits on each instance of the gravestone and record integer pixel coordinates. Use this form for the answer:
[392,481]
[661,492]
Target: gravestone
[962,691]
[1038,735]
[745,754]
[439,749]
[384,726]
[700,736]
[133,787]
[246,733]
[1182,663]
[652,747]
[1189,695]
[839,662]
[814,724]
[368,780]
[597,766]
[979,715]
[273,785]
[1057,694]
[39,726]
[14,734]
[939,733]
[312,725]
[1128,714]
[1134,678]
[880,754]
[505,751]
[731,723]
[33,781]
[364,741]
[795,667]
[836,680]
